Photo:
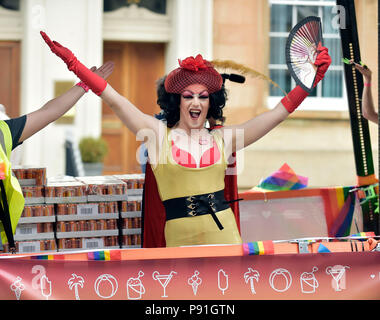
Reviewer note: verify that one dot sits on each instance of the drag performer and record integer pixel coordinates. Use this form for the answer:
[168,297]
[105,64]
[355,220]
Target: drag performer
[189,161]
[153,211]
[14,132]
[368,108]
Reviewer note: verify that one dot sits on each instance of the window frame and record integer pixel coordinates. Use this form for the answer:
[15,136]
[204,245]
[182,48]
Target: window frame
[317,103]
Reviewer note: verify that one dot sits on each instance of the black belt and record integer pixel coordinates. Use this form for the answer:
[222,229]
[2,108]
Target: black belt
[208,203]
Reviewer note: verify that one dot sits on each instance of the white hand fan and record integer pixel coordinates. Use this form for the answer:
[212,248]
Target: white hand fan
[301,51]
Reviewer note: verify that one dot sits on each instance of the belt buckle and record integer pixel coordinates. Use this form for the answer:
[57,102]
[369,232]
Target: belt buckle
[211,201]
[191,206]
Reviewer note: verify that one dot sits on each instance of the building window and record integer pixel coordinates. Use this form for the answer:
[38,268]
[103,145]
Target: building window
[157,6]
[284,14]
[10,4]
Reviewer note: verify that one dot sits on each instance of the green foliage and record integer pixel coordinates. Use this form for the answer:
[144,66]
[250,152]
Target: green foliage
[93,149]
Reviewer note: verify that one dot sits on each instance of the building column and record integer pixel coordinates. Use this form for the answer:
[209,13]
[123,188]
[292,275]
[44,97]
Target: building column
[191,30]
[77,25]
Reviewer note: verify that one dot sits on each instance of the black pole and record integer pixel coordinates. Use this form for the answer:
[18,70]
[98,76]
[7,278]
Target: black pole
[359,125]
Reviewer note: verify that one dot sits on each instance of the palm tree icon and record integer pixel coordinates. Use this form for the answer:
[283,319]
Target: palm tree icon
[251,275]
[75,281]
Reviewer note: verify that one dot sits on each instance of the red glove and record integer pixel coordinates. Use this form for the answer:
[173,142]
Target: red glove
[96,83]
[297,95]
[323,62]
[294,99]
[83,86]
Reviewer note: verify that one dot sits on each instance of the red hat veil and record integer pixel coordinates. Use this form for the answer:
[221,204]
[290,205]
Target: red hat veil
[193,70]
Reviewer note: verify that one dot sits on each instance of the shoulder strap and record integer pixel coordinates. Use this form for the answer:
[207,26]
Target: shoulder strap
[6,145]
[6,218]
[218,137]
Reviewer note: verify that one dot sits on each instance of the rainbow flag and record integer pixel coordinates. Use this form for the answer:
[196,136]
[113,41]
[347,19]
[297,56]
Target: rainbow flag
[258,248]
[47,257]
[284,179]
[105,255]
[345,203]
[363,235]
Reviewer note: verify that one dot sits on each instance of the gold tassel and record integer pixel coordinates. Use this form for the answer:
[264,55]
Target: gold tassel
[244,70]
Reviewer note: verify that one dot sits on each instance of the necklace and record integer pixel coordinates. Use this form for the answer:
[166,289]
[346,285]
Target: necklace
[200,139]
[203,140]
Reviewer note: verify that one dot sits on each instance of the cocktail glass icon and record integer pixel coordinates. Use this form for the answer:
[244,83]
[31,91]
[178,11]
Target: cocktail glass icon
[338,274]
[163,279]
[135,288]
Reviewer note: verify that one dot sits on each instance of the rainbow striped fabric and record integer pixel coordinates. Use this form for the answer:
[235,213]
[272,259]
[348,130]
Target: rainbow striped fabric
[258,248]
[284,179]
[363,234]
[339,206]
[105,255]
[48,257]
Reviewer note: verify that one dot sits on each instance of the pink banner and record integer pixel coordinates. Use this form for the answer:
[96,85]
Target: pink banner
[354,275]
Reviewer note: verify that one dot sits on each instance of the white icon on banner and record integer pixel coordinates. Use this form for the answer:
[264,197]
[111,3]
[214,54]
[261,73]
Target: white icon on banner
[135,288]
[163,279]
[39,272]
[338,274]
[17,287]
[251,275]
[373,276]
[103,284]
[194,281]
[45,287]
[280,278]
[222,280]
[308,281]
[75,282]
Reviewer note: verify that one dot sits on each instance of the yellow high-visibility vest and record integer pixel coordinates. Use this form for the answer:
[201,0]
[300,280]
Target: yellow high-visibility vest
[12,187]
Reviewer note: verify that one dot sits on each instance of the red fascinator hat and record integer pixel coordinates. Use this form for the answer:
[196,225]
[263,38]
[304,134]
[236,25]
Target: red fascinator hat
[193,70]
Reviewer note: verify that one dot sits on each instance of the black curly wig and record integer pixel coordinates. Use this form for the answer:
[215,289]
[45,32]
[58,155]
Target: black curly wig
[169,103]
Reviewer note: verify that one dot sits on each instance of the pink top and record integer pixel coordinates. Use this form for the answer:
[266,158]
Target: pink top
[185,159]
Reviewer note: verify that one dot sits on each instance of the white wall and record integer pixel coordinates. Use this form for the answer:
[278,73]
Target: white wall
[77,25]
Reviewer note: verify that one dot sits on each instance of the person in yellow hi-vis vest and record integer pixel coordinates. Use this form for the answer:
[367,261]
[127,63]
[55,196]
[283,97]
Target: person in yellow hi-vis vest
[15,131]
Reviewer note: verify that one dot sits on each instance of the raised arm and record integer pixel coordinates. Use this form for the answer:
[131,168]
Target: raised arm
[257,127]
[57,107]
[131,116]
[368,107]
[134,119]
